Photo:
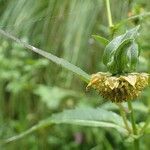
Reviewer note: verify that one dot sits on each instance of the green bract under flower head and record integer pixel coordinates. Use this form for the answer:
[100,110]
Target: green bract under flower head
[119,88]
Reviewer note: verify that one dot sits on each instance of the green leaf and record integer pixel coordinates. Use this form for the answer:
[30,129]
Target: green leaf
[100,39]
[90,117]
[121,54]
[80,116]
[110,50]
[59,61]
[120,60]
[134,54]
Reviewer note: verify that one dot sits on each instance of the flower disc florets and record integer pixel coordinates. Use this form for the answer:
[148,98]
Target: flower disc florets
[119,88]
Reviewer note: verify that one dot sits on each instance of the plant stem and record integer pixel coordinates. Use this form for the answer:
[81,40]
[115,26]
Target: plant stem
[124,117]
[136,141]
[122,112]
[132,118]
[109,13]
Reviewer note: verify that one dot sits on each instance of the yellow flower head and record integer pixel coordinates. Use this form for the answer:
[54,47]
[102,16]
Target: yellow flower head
[119,88]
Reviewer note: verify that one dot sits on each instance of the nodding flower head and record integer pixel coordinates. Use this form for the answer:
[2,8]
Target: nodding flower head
[119,88]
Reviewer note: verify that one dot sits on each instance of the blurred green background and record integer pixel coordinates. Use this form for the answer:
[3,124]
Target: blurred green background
[32,88]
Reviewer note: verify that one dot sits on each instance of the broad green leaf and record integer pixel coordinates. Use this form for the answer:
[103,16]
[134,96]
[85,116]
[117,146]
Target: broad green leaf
[80,116]
[121,44]
[101,39]
[110,49]
[90,117]
[59,61]
[120,57]
[134,54]
[126,56]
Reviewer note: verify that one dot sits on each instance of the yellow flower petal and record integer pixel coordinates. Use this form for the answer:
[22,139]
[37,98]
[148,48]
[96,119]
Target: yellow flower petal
[130,79]
[112,82]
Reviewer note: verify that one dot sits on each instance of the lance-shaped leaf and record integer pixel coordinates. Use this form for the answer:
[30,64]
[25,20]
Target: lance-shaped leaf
[90,117]
[80,116]
[59,61]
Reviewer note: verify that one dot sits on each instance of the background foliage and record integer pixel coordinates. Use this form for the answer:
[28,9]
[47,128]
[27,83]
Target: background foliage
[32,88]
